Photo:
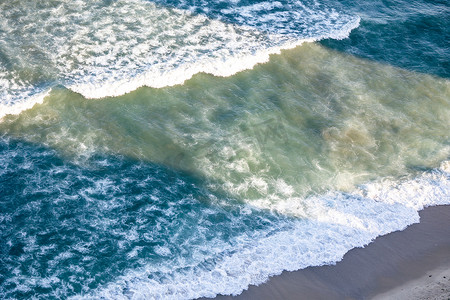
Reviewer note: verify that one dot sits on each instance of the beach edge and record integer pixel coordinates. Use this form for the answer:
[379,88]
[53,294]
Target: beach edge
[388,267]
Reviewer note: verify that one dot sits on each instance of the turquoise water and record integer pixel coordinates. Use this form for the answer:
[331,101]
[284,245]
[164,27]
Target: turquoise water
[176,149]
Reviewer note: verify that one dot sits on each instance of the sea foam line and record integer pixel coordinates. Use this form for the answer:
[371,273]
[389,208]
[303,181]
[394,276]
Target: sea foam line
[342,222]
[18,107]
[219,68]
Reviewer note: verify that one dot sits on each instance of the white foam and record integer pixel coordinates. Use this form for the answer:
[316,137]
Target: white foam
[318,230]
[103,50]
[19,106]
[429,189]
[332,224]
[243,51]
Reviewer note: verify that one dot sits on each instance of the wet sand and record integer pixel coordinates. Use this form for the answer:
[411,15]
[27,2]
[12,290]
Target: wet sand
[395,266]
[434,285]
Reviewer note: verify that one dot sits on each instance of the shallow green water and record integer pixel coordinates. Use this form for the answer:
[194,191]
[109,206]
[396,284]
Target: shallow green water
[311,119]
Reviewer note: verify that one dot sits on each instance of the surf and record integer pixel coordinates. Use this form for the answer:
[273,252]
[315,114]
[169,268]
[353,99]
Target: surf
[116,47]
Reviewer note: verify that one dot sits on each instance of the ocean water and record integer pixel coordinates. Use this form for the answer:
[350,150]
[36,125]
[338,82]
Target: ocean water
[184,149]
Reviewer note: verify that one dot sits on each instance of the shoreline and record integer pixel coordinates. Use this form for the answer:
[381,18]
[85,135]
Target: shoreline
[397,265]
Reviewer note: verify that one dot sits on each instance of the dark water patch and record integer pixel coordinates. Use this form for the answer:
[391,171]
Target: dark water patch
[413,35]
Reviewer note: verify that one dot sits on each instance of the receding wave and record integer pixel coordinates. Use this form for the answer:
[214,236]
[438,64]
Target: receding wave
[101,48]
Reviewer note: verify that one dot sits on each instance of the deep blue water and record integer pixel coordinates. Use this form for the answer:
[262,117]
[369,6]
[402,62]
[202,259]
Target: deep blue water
[409,34]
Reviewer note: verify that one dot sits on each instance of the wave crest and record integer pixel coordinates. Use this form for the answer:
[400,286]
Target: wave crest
[101,49]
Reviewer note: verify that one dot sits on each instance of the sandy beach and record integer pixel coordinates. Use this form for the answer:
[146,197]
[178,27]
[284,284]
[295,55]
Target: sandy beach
[409,264]
[434,285]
